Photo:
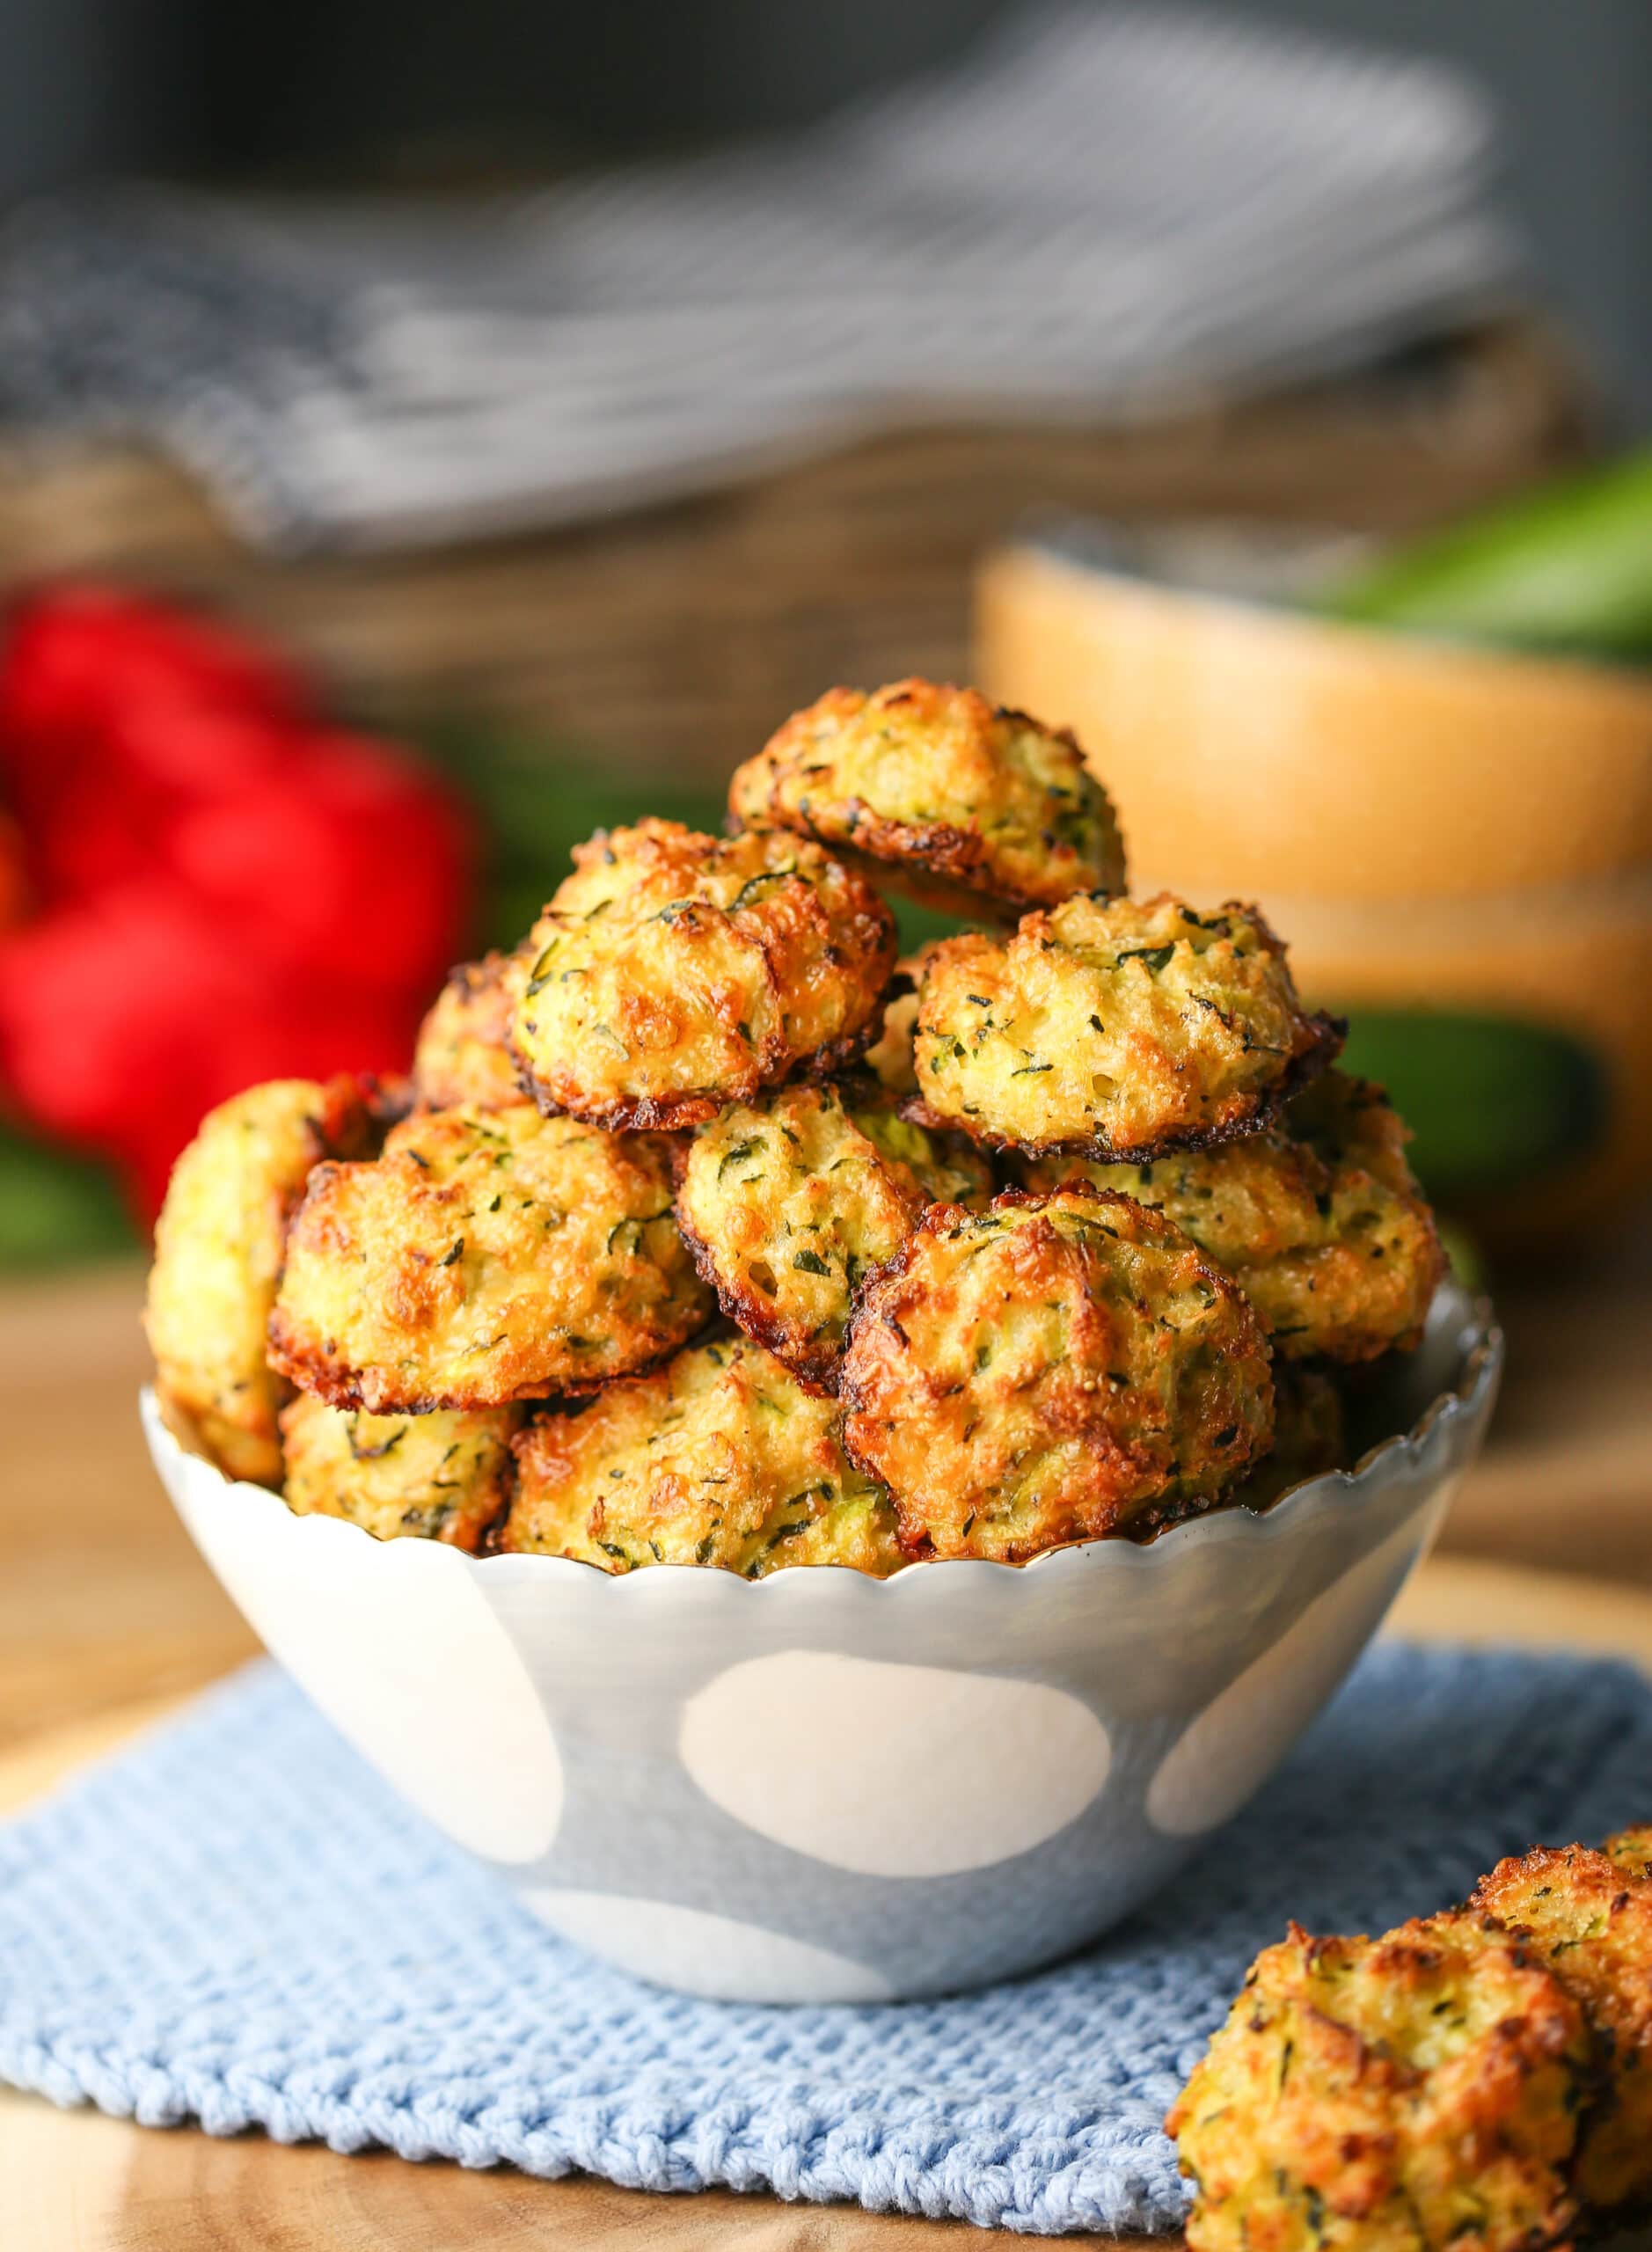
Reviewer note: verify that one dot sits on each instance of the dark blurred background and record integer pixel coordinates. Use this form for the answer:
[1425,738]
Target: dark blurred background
[379,89]
[558,397]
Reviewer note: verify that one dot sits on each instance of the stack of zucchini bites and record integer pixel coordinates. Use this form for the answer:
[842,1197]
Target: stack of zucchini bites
[1477,2080]
[706,1233]
[1061,1229]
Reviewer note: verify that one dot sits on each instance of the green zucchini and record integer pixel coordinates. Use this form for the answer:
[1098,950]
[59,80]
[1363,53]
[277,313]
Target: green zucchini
[1495,1103]
[1567,569]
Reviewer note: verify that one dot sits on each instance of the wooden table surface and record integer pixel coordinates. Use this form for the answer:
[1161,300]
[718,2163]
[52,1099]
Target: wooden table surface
[107,1618]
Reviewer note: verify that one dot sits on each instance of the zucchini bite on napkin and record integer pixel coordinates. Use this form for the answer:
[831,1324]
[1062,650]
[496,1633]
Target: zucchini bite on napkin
[1480,2080]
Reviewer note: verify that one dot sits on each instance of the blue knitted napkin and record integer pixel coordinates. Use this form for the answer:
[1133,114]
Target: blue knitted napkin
[235,1921]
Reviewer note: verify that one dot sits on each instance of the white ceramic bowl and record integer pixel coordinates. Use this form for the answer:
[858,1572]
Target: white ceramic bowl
[818,1787]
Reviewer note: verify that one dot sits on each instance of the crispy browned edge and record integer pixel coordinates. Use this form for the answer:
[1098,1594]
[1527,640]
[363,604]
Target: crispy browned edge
[882,846]
[351,1100]
[1323,1045]
[931,1221]
[380,1100]
[1412,1198]
[815,1371]
[696,1106]
[325,1377]
[488,1527]
[1567,2226]
[940,878]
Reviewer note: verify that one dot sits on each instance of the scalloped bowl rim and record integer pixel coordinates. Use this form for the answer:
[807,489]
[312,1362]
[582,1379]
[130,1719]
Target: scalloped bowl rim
[1479,1351]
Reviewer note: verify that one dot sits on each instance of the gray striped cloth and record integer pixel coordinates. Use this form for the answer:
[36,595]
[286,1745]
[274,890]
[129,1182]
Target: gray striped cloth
[1101,211]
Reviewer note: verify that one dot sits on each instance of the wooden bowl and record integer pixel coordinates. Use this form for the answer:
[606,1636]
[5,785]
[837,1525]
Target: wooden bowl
[1253,751]
[1456,843]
